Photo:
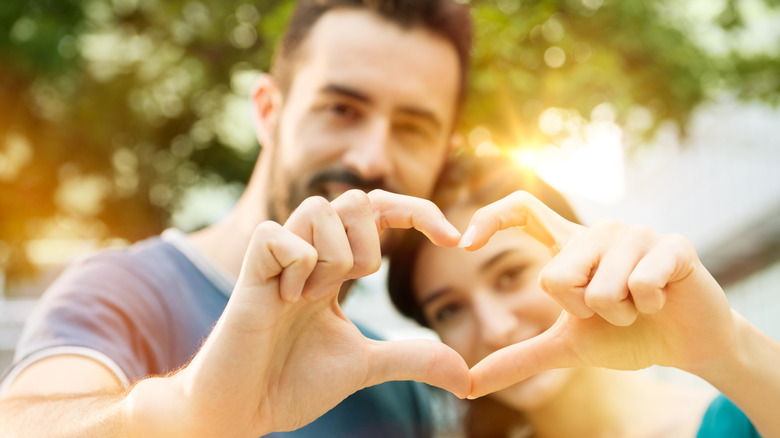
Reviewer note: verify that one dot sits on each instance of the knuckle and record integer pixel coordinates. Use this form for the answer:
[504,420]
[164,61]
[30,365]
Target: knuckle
[309,253]
[355,196]
[352,201]
[555,280]
[344,264]
[599,298]
[365,267]
[640,231]
[679,242]
[522,197]
[314,203]
[265,229]
[642,284]
[609,225]
[377,194]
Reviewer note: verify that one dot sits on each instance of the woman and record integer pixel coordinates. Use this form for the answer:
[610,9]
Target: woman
[612,297]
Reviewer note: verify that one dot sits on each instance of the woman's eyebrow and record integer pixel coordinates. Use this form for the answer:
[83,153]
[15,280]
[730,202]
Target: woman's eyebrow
[435,296]
[495,259]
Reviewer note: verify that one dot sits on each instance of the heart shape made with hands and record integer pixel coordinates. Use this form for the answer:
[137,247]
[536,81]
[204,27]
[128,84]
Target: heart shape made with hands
[631,297]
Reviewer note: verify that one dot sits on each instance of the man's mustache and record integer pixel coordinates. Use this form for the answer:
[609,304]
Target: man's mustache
[318,183]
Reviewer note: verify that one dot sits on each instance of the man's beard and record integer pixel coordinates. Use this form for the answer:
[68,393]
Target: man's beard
[287,195]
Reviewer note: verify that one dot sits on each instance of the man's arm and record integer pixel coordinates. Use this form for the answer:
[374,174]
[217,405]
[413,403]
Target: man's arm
[76,395]
[281,354]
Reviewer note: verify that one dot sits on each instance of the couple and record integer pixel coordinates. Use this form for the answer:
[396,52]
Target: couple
[235,330]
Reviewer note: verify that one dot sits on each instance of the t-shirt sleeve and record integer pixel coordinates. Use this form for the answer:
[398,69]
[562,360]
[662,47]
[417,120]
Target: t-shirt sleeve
[98,308]
[724,419]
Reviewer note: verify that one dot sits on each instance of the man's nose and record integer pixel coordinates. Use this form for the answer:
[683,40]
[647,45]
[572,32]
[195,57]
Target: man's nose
[496,322]
[369,155]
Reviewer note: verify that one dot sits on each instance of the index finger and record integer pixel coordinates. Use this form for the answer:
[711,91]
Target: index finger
[392,210]
[520,209]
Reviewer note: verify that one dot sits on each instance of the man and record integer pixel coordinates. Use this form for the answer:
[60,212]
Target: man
[364,95]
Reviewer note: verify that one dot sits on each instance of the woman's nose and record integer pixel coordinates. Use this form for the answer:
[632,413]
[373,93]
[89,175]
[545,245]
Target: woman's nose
[496,321]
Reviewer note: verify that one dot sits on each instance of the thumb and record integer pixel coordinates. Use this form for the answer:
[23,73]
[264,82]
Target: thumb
[420,360]
[517,362]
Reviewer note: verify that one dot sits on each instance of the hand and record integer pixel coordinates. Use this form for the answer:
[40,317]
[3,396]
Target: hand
[632,298]
[283,353]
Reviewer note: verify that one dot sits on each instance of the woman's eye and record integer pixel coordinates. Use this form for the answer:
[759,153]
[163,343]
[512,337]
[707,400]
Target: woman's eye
[446,313]
[509,279]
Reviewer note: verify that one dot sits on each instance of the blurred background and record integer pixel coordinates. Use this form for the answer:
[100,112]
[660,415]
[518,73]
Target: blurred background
[119,118]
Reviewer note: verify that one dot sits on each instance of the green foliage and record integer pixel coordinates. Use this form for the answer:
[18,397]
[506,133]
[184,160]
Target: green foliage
[128,103]
[565,54]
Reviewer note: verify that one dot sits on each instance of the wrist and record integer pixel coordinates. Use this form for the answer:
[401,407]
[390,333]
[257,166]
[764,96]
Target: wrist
[721,369]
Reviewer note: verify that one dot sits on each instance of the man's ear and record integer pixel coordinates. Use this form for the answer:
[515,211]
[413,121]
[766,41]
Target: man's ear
[266,105]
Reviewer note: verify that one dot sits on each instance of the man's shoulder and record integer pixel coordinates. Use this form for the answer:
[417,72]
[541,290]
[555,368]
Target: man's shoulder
[148,261]
[149,252]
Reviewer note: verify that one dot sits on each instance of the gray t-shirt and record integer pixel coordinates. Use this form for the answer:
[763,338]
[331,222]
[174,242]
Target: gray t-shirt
[146,310]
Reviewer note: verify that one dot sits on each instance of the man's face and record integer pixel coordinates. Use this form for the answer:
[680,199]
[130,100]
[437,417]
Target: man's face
[371,105]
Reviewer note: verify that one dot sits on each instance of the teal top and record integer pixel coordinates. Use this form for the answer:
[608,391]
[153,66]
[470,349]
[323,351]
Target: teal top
[724,419]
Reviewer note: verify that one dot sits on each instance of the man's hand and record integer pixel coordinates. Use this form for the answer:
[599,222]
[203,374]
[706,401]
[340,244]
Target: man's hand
[632,298]
[282,354]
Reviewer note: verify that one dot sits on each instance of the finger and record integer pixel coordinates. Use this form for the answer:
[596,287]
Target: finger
[357,217]
[275,252]
[392,210]
[671,259]
[520,209]
[518,362]
[317,222]
[565,278]
[608,293]
[420,360]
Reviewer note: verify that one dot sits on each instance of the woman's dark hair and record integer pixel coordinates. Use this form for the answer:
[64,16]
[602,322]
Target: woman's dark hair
[445,18]
[471,181]
[466,180]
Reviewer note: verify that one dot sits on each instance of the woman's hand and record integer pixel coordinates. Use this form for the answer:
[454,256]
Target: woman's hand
[632,298]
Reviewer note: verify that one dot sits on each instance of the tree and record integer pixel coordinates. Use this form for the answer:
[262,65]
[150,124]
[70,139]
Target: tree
[112,109]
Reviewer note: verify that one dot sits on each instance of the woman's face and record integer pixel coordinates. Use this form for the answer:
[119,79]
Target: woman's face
[479,302]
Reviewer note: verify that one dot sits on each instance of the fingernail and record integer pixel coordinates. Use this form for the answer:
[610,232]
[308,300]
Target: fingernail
[451,230]
[471,397]
[468,237]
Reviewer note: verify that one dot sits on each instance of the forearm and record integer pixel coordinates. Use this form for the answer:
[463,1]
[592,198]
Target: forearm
[83,415]
[750,376]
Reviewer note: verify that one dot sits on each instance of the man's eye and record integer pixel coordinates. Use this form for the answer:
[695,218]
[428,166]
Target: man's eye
[343,110]
[414,129]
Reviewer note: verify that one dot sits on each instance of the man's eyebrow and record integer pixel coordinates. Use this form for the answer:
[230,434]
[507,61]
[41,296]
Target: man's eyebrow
[413,111]
[345,91]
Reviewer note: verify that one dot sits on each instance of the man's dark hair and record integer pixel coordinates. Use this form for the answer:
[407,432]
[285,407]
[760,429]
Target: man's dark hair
[446,18]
